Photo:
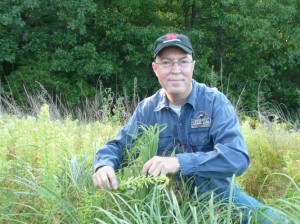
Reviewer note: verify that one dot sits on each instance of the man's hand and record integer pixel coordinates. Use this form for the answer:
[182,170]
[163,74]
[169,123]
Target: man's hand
[161,165]
[105,178]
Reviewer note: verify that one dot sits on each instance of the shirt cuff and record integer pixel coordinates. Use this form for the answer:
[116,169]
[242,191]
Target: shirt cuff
[103,163]
[188,164]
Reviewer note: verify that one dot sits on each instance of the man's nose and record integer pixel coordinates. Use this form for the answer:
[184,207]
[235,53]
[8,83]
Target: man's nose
[175,67]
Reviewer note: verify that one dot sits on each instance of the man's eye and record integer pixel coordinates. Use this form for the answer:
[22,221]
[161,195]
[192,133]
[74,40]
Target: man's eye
[166,63]
[184,62]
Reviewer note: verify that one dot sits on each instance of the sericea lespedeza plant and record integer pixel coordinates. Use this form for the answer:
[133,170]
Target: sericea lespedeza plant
[134,183]
[144,148]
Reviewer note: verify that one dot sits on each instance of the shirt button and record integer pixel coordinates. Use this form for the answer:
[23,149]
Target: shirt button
[180,124]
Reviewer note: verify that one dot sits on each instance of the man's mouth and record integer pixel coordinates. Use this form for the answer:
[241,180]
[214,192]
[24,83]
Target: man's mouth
[176,80]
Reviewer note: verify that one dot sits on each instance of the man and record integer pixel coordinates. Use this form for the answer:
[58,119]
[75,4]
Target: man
[201,126]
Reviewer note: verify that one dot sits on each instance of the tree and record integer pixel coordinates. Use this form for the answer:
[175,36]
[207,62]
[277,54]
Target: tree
[70,46]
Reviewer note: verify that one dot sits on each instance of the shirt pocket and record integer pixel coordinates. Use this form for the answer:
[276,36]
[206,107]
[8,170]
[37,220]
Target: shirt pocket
[200,141]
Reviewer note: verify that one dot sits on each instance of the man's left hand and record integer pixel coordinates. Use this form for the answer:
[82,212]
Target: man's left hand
[161,165]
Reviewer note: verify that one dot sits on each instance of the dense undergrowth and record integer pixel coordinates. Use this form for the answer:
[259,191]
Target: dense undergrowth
[46,165]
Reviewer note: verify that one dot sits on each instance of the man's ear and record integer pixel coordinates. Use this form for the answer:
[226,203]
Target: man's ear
[154,67]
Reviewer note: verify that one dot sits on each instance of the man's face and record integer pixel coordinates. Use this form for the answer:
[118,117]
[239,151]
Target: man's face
[175,78]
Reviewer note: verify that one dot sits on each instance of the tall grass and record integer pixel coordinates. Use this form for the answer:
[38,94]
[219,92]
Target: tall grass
[105,105]
[46,170]
[273,148]
[33,198]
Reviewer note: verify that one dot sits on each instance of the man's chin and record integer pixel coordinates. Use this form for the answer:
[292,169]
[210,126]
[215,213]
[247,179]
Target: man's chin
[175,93]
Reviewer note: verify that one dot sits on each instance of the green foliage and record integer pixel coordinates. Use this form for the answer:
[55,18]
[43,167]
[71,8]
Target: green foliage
[273,148]
[131,179]
[69,46]
[43,140]
[252,45]
[46,170]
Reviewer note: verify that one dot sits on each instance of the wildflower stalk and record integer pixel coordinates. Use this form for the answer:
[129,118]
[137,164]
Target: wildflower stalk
[143,150]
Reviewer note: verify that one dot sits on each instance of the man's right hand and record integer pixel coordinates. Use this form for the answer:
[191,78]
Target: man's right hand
[105,178]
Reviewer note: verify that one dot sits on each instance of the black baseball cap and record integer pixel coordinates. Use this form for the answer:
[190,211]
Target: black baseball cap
[173,40]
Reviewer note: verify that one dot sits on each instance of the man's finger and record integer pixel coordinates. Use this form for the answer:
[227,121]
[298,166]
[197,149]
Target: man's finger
[97,181]
[113,182]
[147,166]
[105,178]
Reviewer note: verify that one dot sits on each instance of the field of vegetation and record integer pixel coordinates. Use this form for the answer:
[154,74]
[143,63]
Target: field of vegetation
[72,49]
[46,165]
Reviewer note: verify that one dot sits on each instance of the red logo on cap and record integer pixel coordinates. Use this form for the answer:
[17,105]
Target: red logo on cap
[171,36]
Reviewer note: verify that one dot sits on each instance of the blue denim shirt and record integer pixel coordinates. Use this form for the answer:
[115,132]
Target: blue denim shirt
[207,136]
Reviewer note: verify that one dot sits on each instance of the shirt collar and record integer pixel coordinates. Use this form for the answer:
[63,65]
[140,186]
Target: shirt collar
[192,98]
[164,103]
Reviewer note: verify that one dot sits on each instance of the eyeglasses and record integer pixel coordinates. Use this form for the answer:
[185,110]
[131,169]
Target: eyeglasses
[183,63]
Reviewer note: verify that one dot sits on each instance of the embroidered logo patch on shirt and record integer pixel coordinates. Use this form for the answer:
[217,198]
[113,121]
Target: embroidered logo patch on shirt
[201,121]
